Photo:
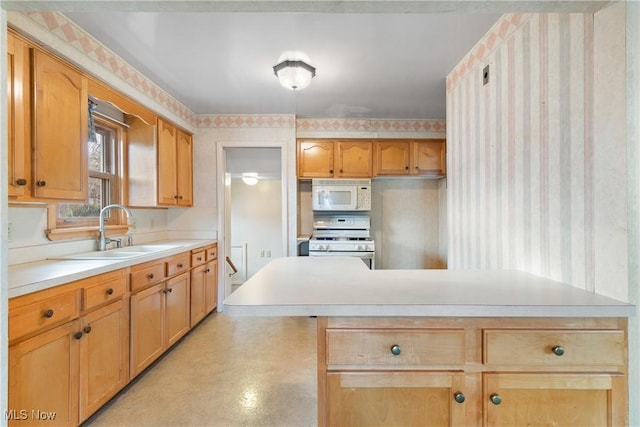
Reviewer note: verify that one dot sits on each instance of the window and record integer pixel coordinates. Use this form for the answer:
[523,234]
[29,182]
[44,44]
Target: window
[104,186]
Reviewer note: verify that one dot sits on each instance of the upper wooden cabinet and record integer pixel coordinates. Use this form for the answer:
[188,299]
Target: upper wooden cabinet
[410,157]
[335,158]
[60,130]
[18,138]
[175,166]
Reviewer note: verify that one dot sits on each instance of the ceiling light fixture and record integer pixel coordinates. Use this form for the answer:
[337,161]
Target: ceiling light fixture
[250,178]
[294,74]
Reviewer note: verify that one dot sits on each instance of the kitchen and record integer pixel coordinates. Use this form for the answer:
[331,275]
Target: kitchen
[190,219]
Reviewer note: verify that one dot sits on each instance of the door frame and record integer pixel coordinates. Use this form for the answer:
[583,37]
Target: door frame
[288,194]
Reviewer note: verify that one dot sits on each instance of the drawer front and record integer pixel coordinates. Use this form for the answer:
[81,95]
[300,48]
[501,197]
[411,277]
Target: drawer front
[178,264]
[198,258]
[212,253]
[553,347]
[397,347]
[103,292]
[43,314]
[147,275]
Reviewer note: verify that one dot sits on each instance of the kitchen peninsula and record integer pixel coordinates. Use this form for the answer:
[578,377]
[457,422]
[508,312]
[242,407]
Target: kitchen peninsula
[401,347]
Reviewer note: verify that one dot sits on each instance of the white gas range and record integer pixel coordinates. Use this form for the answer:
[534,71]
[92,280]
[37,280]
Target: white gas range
[343,235]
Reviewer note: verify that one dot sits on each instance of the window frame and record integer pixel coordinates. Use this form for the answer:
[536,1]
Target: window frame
[115,221]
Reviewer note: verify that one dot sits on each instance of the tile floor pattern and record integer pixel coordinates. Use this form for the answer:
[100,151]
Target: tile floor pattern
[226,372]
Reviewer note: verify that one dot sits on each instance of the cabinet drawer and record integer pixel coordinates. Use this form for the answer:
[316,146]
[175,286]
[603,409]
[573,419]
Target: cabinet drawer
[42,314]
[178,264]
[395,347]
[553,347]
[147,274]
[212,252]
[108,290]
[198,258]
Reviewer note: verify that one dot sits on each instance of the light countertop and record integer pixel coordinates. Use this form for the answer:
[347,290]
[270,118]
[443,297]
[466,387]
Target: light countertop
[344,286]
[35,276]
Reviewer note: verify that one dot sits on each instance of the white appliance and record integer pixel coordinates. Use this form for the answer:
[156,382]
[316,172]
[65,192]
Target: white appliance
[341,194]
[343,235]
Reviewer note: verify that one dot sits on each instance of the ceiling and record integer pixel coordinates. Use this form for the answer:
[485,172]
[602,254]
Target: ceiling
[369,65]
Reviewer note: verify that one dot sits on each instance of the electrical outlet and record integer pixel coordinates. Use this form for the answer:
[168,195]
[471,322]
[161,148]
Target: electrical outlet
[9,232]
[262,253]
[268,254]
[132,223]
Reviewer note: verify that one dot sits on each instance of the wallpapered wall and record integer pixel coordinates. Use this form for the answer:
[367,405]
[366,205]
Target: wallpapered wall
[537,177]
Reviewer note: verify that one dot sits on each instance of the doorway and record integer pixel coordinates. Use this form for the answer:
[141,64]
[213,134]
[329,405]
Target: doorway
[254,224]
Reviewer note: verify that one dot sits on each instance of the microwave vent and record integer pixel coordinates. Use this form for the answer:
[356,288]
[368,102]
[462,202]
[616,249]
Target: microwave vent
[341,182]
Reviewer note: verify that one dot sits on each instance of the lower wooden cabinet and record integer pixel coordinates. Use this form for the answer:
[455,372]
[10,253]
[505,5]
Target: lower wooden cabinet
[204,291]
[472,371]
[395,398]
[159,317]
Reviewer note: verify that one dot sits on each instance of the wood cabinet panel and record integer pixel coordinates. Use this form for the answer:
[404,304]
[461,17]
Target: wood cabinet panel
[354,159]
[393,157]
[315,159]
[395,348]
[18,119]
[147,274]
[178,303]
[43,378]
[111,287]
[60,130]
[198,258]
[211,286]
[147,327]
[175,166]
[578,400]
[400,157]
[429,158]
[394,399]
[573,348]
[184,165]
[43,314]
[178,264]
[197,295]
[104,356]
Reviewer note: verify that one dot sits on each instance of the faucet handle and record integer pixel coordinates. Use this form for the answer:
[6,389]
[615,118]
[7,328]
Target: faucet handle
[129,239]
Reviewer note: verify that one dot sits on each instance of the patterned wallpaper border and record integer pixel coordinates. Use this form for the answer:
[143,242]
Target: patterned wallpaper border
[68,31]
[371,125]
[500,31]
[245,121]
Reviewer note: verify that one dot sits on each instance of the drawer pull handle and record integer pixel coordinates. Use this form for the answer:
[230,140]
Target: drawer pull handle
[179,265]
[207,270]
[77,335]
[150,276]
[459,397]
[87,329]
[41,183]
[21,181]
[495,399]
[558,350]
[48,314]
[396,350]
[110,291]
[199,258]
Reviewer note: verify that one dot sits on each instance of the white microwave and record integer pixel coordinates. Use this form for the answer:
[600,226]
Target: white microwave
[341,194]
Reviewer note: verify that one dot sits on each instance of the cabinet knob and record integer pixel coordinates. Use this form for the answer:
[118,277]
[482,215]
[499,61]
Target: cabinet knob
[175,197]
[199,258]
[459,397]
[417,168]
[41,183]
[341,171]
[87,329]
[558,350]
[396,350]
[77,335]
[48,314]
[207,270]
[110,291]
[495,399]
[330,170]
[180,197]
[21,181]
[179,265]
[170,290]
[150,276]
[406,168]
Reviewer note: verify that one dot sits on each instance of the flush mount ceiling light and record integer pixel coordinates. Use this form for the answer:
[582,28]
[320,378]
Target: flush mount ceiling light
[250,178]
[294,74]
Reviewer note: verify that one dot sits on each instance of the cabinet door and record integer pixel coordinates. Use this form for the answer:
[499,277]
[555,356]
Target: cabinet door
[147,327]
[560,399]
[197,294]
[167,164]
[354,159]
[211,286]
[43,378]
[60,130]
[17,117]
[177,319]
[184,168]
[394,399]
[315,159]
[429,158]
[104,356]
[392,157]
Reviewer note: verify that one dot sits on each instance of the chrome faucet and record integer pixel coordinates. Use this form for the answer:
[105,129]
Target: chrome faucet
[102,239]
